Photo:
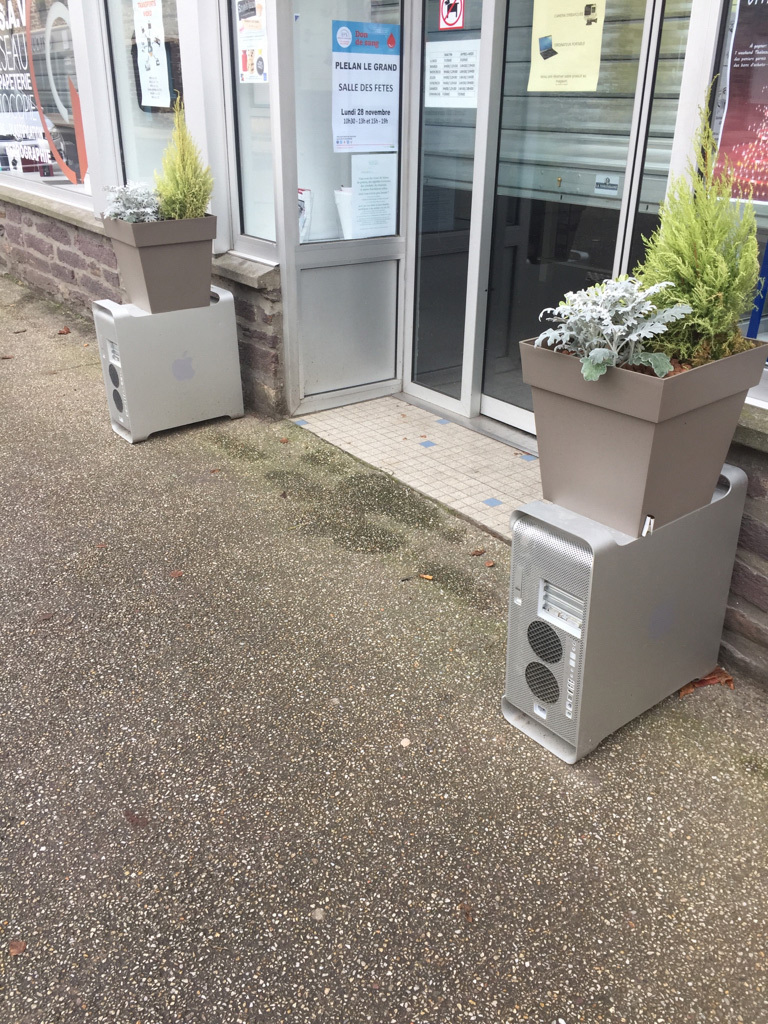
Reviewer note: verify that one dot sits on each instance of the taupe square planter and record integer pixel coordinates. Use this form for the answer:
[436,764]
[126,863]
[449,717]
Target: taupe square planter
[166,264]
[629,445]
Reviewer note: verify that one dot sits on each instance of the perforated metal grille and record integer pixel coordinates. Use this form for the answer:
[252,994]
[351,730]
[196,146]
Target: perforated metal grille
[542,553]
[542,683]
[545,642]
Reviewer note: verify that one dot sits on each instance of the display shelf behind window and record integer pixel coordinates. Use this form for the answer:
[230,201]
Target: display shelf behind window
[41,134]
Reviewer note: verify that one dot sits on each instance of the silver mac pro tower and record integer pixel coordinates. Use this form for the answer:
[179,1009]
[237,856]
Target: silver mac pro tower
[602,626]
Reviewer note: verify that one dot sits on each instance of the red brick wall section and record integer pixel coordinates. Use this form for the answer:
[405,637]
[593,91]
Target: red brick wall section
[744,649]
[68,263]
[77,266]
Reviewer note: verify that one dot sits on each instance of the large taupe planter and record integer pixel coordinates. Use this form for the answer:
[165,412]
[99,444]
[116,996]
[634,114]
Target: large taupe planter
[629,445]
[166,264]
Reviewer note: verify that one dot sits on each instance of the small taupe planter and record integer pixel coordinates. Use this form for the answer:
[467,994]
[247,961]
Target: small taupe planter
[630,445]
[166,264]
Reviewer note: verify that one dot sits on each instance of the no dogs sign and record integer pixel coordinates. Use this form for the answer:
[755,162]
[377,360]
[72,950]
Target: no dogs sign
[451,14]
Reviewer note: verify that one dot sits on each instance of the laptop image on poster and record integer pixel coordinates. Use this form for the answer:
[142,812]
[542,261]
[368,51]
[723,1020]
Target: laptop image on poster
[545,47]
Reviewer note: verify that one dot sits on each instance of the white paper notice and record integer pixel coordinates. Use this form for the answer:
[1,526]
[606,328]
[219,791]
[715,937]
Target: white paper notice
[451,73]
[150,43]
[374,195]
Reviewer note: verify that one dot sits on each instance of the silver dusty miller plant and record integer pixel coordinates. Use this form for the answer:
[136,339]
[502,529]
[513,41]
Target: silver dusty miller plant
[605,325]
[134,202]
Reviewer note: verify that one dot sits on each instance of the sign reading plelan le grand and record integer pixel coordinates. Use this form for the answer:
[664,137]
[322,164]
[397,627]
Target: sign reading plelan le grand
[366,87]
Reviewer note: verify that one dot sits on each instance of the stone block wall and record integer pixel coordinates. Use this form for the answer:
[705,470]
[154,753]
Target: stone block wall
[744,649]
[68,262]
[62,251]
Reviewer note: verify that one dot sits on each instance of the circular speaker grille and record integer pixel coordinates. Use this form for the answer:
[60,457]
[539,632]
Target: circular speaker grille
[545,642]
[114,376]
[118,400]
[542,683]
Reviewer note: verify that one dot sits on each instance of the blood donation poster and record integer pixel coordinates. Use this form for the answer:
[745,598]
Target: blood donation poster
[365,87]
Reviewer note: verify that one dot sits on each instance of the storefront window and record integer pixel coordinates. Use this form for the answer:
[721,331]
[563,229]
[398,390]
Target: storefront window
[347,57]
[252,77]
[41,132]
[147,67]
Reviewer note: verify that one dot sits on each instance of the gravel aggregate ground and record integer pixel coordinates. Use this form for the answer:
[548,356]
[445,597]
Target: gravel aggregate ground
[253,766]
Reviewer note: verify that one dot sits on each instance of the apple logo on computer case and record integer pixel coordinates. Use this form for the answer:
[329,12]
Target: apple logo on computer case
[182,368]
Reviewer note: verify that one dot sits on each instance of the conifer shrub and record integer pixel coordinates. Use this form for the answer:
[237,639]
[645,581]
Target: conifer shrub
[706,245]
[184,188]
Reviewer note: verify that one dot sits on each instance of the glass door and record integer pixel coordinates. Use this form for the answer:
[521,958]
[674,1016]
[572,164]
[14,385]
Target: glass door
[567,142]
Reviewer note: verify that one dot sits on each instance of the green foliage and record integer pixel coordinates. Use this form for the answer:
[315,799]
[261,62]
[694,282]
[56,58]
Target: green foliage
[706,245]
[611,324]
[184,188]
[134,202]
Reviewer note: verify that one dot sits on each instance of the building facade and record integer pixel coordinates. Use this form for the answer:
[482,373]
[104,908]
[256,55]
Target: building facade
[401,186]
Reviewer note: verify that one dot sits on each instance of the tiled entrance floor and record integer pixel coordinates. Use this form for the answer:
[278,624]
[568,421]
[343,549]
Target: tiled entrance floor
[481,478]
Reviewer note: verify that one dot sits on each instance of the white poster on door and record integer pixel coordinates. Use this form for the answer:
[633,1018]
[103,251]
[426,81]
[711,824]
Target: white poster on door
[566,46]
[366,87]
[374,195]
[150,45]
[450,75]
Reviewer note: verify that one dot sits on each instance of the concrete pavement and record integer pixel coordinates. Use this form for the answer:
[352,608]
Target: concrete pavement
[253,766]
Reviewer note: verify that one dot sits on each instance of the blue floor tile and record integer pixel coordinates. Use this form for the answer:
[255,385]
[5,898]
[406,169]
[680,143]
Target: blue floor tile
[492,502]
[427,444]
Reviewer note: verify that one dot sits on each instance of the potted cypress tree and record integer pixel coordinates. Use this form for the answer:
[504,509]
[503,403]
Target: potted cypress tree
[649,438]
[162,239]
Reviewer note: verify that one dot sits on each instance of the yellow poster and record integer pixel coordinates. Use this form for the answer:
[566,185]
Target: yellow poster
[566,43]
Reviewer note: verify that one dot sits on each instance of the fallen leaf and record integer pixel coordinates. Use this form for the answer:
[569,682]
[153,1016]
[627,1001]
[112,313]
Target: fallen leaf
[422,435]
[466,910]
[16,947]
[85,344]
[284,494]
[22,330]
[283,440]
[215,471]
[478,551]
[135,819]
[490,564]
[45,617]
[717,675]
[175,573]
[423,576]
[101,545]
[6,357]
[65,330]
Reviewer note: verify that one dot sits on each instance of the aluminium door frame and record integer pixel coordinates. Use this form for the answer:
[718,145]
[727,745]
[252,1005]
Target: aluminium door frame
[702,40]
[295,256]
